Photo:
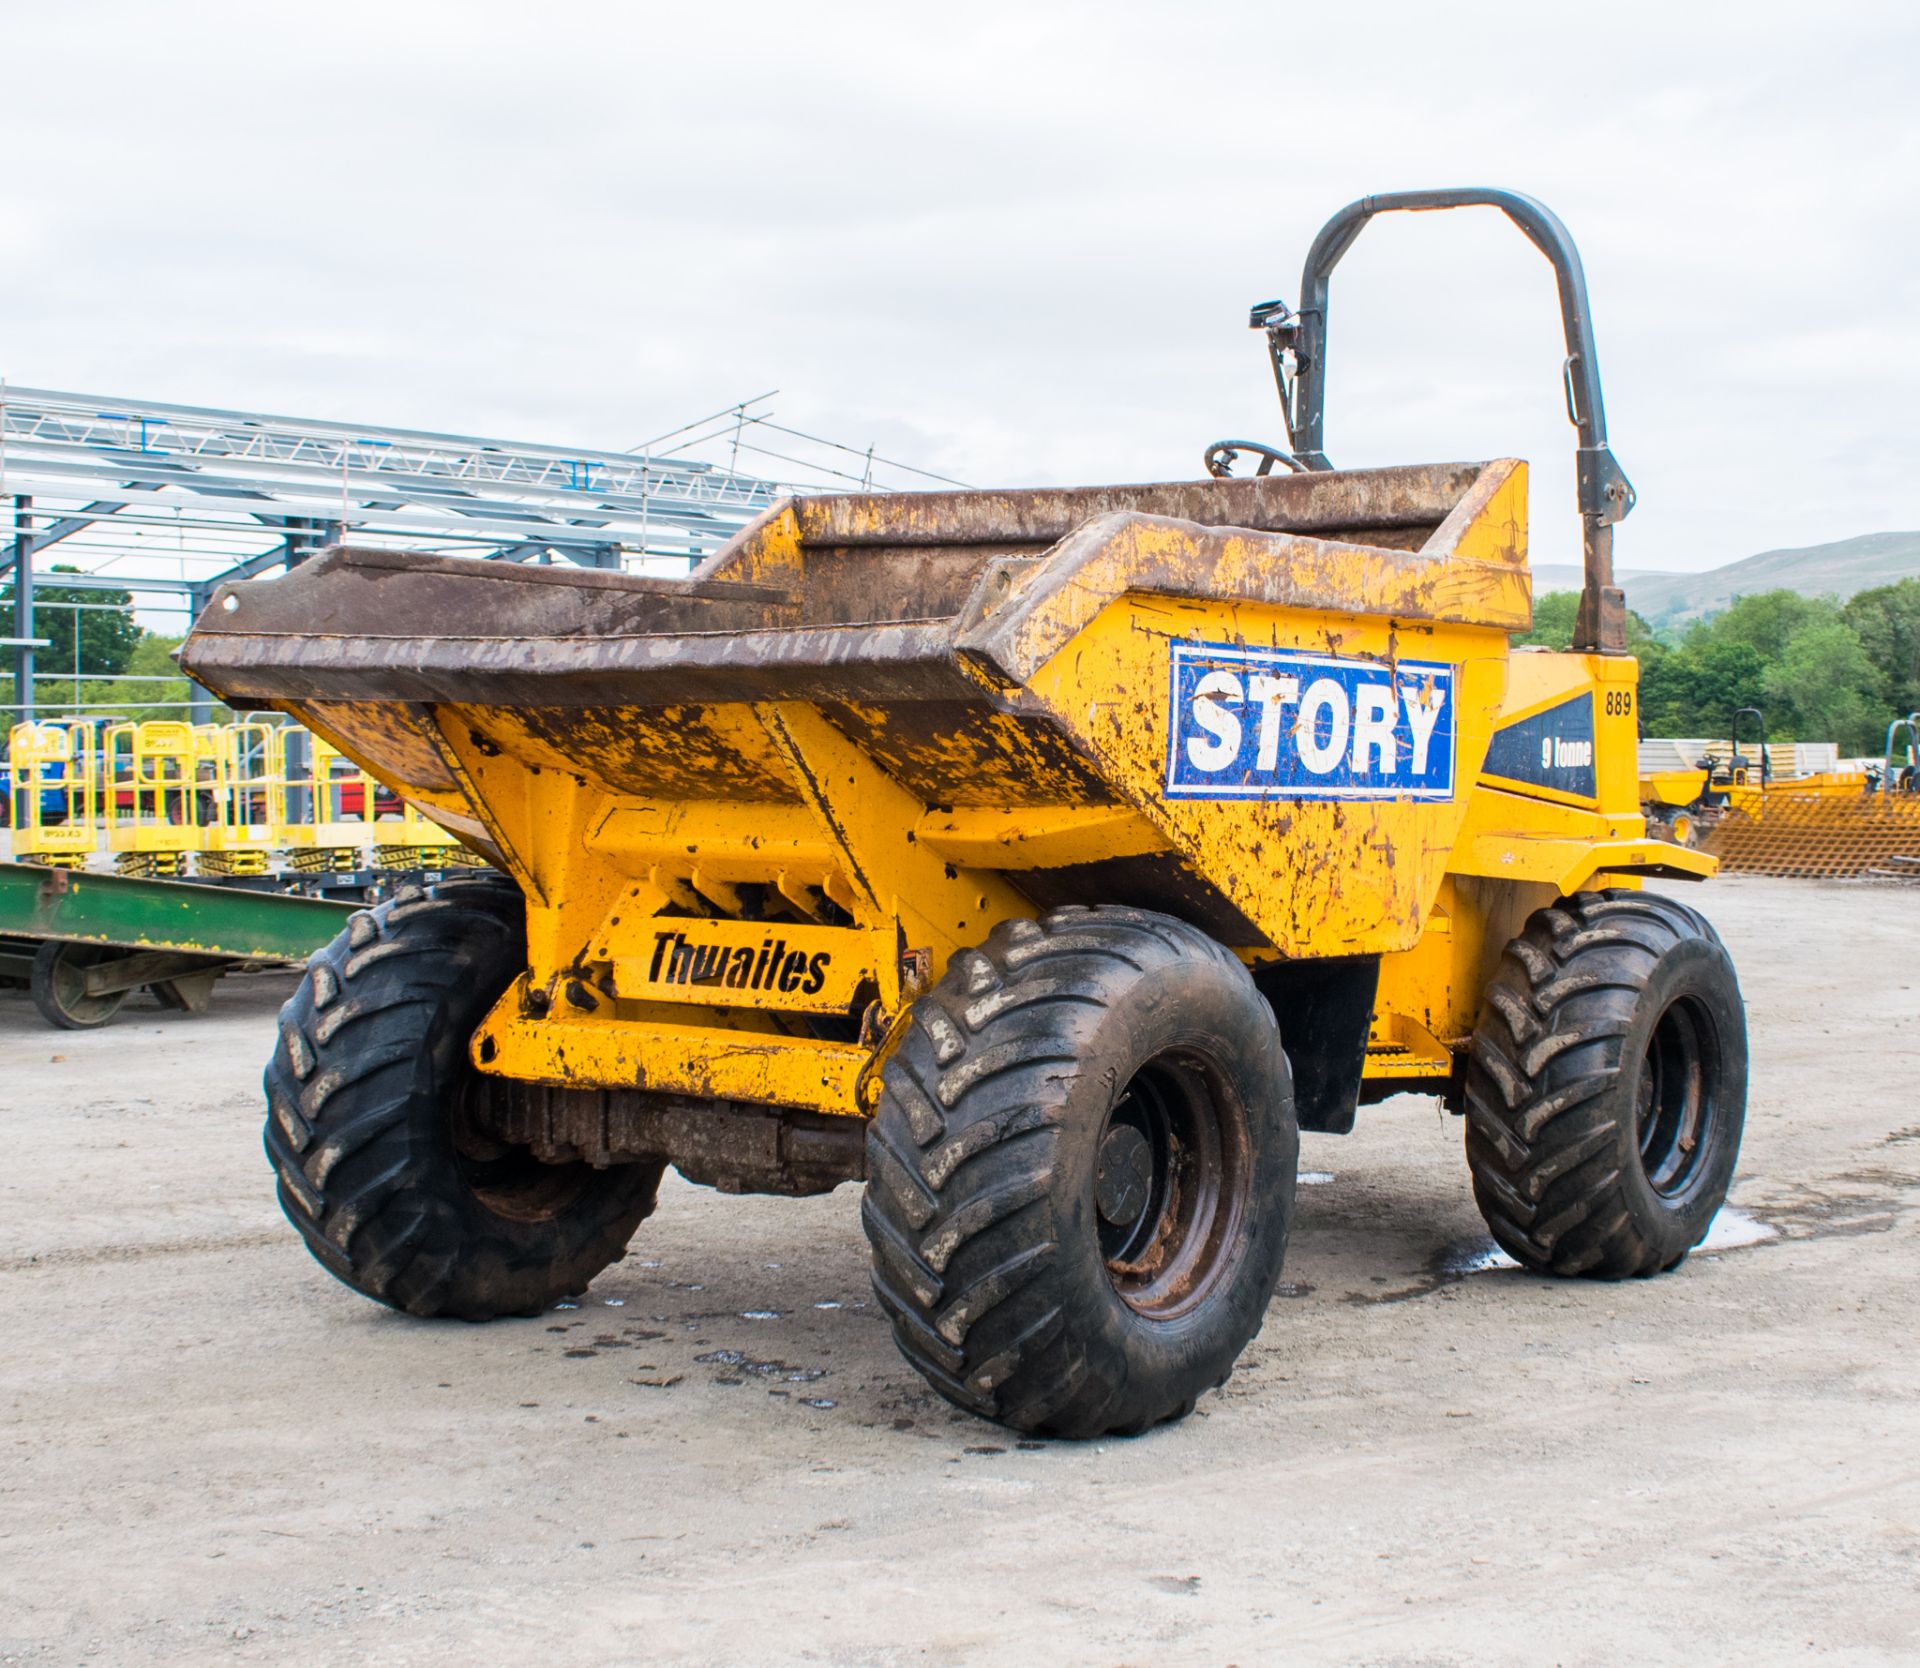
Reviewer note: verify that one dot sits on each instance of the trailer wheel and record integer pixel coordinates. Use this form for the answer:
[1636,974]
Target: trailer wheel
[1606,1087]
[1082,1167]
[58,984]
[381,1164]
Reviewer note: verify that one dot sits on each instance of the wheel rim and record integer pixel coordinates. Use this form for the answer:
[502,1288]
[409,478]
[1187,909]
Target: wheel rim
[507,1179]
[67,985]
[1170,1182]
[1677,1098]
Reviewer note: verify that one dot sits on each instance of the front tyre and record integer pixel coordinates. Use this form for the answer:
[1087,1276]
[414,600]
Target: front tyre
[374,1124]
[1606,1087]
[1082,1170]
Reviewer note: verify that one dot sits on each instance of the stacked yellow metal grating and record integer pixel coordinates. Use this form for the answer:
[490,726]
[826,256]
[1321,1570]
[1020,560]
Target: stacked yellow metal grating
[1820,836]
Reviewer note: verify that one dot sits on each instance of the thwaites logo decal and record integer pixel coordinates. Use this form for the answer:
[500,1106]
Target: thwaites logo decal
[747,964]
[1552,749]
[677,960]
[1278,724]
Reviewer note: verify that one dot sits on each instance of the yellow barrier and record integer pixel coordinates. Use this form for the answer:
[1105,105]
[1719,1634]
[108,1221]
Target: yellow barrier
[255,797]
[152,797]
[330,807]
[249,797]
[55,797]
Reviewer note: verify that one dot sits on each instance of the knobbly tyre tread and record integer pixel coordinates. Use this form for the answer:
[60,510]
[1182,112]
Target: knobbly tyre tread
[1555,1174]
[358,1127]
[961,1209]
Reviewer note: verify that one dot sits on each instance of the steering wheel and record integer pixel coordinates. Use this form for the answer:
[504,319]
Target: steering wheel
[1222,454]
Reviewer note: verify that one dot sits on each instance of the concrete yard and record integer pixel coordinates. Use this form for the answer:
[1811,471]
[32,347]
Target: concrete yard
[212,1453]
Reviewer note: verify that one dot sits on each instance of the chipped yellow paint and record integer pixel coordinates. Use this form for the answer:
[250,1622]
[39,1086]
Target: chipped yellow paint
[1359,875]
[685,865]
[871,820]
[1471,572]
[1039,836]
[708,1062]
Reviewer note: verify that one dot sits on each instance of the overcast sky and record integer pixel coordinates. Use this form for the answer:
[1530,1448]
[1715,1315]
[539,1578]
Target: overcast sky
[1013,244]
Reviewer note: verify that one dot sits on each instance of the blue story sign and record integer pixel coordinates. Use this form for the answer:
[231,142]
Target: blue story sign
[1279,724]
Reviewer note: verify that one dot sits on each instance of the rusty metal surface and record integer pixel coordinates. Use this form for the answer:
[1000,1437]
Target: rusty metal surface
[227,923]
[964,753]
[677,752]
[1349,501]
[720,1144]
[1159,881]
[883,586]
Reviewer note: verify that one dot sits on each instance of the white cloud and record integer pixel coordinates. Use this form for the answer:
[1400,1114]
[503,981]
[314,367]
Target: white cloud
[1009,243]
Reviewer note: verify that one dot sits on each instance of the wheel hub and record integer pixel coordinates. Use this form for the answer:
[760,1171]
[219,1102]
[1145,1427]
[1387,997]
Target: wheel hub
[1674,1099]
[1168,1185]
[1125,1177]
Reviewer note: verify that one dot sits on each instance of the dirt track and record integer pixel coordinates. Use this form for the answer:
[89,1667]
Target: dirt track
[212,1453]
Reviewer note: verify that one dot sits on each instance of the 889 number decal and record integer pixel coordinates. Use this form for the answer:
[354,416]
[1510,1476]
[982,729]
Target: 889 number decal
[1619,703]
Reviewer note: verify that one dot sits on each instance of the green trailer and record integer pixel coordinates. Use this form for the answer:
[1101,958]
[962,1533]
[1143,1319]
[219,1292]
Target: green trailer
[82,943]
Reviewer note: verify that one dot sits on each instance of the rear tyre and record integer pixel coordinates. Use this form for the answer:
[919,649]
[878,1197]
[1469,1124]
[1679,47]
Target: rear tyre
[1082,1169]
[1606,1087]
[373,1130]
[58,984]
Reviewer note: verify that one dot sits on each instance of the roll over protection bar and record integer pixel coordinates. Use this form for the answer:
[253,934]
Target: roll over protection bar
[1605,494]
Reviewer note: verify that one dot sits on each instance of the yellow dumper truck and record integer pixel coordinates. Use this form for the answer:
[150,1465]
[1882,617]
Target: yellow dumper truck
[1044,859]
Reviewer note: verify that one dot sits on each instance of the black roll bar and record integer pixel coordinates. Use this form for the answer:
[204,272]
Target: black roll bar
[1605,494]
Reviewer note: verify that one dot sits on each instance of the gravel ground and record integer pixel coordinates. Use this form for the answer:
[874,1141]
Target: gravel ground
[211,1453]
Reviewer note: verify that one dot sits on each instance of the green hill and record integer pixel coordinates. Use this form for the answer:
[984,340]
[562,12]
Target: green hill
[1839,569]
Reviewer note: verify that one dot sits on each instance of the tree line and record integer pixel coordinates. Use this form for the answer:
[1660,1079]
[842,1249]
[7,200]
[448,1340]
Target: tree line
[97,655]
[1820,669]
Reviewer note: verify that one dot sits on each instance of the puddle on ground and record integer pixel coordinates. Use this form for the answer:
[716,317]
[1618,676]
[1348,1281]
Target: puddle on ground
[1732,1229]
[743,1363]
[1472,1259]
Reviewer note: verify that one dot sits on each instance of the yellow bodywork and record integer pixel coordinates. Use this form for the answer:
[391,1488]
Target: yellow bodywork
[1672,787]
[746,847]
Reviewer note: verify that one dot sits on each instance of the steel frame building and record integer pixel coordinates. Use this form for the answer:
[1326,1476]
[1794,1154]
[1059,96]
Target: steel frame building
[126,484]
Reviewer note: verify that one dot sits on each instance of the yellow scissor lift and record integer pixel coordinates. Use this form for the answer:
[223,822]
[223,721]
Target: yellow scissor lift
[54,793]
[153,799]
[253,801]
[163,800]
[339,823]
[248,810]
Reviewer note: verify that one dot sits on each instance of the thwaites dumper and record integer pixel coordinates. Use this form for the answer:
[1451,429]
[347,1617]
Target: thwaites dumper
[1044,859]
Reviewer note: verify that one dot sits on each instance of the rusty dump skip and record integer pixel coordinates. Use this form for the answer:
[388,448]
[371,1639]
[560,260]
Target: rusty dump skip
[980,677]
[869,597]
